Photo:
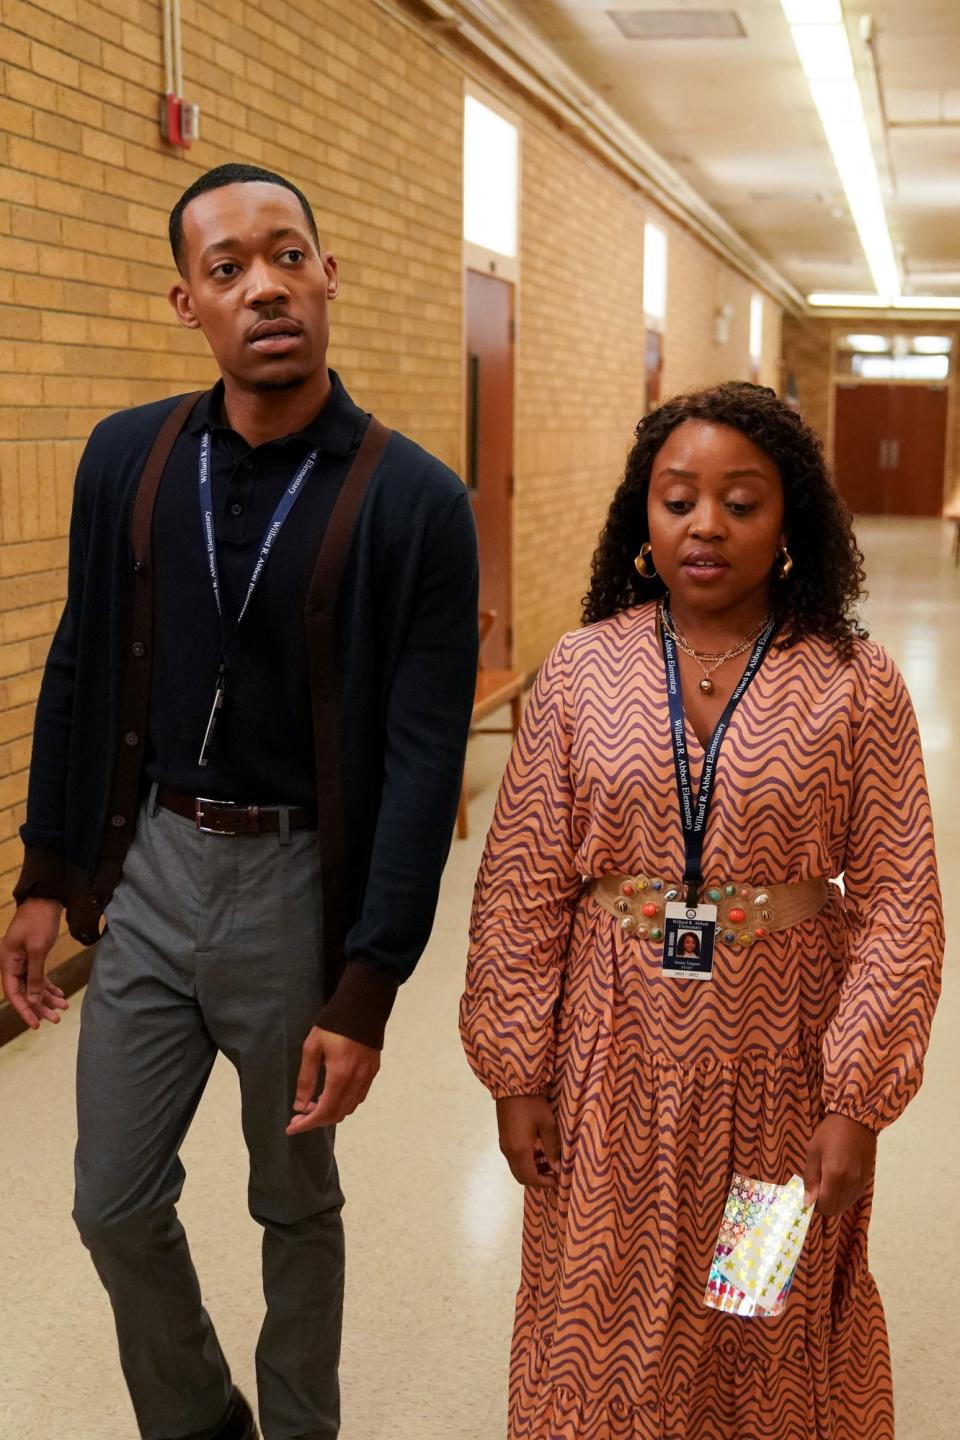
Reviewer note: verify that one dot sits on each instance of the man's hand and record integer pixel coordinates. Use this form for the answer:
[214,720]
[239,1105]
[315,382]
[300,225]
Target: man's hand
[840,1163]
[529,1140]
[349,1070]
[23,956]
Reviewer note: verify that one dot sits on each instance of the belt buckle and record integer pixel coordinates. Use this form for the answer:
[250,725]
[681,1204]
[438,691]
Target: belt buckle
[251,812]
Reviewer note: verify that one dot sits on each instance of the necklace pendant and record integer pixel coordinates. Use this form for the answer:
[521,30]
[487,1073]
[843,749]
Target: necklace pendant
[706,686]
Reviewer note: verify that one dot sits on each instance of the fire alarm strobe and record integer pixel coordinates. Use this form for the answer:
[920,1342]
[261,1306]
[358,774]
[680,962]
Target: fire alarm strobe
[179,118]
[179,121]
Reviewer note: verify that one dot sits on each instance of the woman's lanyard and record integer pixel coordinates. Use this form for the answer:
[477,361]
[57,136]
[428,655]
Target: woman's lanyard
[694,812]
[280,516]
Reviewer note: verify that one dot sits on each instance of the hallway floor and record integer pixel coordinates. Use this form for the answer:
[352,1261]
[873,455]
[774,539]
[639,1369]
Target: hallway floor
[433,1216]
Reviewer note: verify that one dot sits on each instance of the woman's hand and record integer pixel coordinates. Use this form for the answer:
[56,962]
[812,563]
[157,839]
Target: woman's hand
[840,1163]
[529,1140]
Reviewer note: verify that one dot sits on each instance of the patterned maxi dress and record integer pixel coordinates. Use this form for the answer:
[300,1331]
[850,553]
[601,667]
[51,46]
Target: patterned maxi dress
[662,1088]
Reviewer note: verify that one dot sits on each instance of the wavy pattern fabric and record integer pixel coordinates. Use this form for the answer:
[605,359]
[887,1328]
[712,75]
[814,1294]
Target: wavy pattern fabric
[663,1088]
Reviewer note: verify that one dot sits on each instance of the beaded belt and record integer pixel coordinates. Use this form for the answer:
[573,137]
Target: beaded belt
[745,913]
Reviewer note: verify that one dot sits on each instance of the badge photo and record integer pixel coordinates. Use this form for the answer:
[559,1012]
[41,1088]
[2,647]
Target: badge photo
[688,937]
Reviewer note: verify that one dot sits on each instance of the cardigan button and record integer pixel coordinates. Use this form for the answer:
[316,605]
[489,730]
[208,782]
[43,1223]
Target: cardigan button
[131,738]
[118,821]
[138,567]
[94,902]
[139,649]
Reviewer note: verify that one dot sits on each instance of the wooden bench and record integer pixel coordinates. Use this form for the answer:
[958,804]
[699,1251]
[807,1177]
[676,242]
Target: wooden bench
[495,688]
[951,511]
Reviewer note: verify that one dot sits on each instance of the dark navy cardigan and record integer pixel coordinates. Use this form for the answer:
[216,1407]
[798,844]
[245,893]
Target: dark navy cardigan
[406,657]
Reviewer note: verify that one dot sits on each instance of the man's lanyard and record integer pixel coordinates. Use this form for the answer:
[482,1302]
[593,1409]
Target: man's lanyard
[694,812]
[287,501]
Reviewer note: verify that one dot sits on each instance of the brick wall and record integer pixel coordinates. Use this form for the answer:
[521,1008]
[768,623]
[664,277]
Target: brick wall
[365,114]
[807,356]
[580,376]
[699,283]
[580,360]
[86,185]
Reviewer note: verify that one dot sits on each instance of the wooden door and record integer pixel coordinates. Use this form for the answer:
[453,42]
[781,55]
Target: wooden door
[917,451]
[489,411]
[860,447]
[890,448]
[654,364]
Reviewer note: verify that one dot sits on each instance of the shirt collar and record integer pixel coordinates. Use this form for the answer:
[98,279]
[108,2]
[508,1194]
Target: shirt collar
[333,428]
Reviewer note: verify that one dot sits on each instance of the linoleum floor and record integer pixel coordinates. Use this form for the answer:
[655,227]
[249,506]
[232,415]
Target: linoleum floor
[433,1217]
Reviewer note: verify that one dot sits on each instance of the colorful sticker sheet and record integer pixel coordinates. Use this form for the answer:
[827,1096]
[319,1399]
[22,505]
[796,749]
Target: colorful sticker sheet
[763,1230]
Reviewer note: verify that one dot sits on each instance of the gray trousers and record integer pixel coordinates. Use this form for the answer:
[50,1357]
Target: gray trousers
[214,944]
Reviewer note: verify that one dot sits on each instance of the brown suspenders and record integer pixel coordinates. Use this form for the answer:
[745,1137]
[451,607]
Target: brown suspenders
[324,586]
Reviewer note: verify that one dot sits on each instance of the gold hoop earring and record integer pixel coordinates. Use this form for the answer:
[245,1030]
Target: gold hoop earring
[640,563]
[785,562]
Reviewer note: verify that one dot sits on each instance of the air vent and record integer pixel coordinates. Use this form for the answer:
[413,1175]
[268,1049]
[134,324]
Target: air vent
[678,24]
[782,197]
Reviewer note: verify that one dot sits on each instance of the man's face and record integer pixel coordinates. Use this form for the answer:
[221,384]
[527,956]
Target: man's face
[256,285]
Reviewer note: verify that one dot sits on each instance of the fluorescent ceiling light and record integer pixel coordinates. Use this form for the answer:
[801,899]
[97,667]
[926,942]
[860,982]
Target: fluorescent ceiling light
[932,344]
[820,38]
[849,302]
[869,344]
[822,299]
[824,52]
[927,302]
[813,12]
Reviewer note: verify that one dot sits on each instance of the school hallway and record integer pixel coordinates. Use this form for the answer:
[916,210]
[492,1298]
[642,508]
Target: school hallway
[433,1216]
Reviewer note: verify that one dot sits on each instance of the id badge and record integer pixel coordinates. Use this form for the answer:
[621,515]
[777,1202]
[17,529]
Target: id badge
[688,938]
[212,722]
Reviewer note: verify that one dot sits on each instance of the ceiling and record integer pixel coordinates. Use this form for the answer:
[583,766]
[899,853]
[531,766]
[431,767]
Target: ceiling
[735,117]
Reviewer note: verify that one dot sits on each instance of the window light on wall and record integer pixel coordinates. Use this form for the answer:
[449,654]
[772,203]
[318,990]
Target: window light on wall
[489,179]
[654,272]
[756,328]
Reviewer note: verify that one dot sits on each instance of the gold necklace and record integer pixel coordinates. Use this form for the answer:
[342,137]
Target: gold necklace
[707,660]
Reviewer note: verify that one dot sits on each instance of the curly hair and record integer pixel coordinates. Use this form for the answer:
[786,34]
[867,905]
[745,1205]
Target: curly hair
[822,593]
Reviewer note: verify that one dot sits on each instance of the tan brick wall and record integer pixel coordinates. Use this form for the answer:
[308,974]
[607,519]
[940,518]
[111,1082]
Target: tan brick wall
[86,185]
[807,350]
[580,375]
[581,362]
[699,283]
[365,114]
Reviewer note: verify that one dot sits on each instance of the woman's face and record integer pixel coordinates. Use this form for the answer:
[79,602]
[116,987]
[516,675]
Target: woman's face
[715,511]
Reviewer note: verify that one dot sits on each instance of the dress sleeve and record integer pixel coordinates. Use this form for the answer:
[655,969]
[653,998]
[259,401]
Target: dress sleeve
[874,1049]
[524,902]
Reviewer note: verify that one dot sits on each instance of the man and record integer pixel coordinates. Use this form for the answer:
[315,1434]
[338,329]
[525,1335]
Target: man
[247,756]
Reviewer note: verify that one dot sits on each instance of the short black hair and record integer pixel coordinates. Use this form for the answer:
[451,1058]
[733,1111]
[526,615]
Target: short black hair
[231,174]
[826,583]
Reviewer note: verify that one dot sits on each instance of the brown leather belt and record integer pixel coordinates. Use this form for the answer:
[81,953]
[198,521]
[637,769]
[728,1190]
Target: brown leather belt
[226,817]
[745,913]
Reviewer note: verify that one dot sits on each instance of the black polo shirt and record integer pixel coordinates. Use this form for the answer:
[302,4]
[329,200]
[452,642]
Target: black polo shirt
[263,745]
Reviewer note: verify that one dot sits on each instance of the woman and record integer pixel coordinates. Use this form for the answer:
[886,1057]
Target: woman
[632,1080]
